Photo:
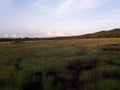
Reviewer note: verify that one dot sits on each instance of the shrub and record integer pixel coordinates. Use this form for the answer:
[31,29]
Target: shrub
[17,41]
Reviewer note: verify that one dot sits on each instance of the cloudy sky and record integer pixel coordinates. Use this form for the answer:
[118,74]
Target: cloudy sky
[46,18]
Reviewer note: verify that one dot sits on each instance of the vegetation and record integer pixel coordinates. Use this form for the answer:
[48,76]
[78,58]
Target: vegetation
[68,64]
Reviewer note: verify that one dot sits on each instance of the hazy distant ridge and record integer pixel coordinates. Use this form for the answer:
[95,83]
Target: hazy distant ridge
[114,33]
[103,34]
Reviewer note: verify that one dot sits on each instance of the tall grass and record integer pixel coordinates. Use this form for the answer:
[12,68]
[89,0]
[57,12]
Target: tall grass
[64,65]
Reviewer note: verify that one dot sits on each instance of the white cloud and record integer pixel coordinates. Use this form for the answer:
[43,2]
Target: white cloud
[70,6]
[59,34]
[14,36]
[49,33]
[74,34]
[67,6]
[6,36]
[64,6]
[53,34]
[17,36]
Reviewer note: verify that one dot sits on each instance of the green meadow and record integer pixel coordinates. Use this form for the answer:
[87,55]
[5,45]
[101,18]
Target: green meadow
[68,64]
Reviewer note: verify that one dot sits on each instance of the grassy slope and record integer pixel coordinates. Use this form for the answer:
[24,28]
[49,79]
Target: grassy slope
[21,63]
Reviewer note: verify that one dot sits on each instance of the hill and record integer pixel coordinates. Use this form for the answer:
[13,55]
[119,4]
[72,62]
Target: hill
[103,34]
[114,33]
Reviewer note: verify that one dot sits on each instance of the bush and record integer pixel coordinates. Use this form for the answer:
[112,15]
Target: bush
[17,41]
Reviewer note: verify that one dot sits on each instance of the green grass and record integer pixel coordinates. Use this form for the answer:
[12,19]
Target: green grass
[19,63]
[107,84]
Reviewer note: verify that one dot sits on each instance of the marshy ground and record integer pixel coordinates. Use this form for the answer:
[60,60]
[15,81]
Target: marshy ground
[71,64]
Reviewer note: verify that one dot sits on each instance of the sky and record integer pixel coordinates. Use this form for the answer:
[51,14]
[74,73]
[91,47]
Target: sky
[50,18]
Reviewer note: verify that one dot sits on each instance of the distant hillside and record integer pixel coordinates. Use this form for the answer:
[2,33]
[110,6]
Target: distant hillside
[115,33]
[103,34]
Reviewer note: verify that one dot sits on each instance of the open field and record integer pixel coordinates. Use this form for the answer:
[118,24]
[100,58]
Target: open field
[70,64]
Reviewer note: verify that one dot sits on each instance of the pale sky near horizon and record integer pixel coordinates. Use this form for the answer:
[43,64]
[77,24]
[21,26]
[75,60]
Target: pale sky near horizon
[47,18]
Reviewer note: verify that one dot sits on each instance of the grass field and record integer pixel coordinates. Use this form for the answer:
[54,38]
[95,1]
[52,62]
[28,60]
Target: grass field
[71,64]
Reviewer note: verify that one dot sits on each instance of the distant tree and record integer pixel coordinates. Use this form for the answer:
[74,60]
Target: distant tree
[18,41]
